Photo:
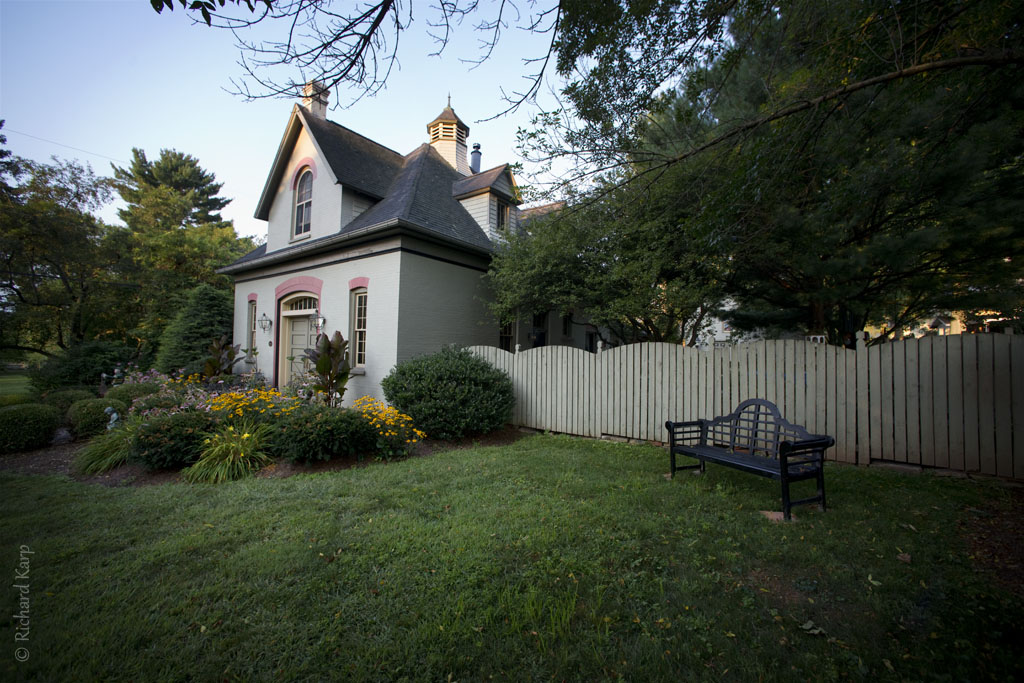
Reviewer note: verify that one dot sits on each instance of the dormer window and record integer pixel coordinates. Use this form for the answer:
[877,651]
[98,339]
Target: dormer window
[303,204]
[503,216]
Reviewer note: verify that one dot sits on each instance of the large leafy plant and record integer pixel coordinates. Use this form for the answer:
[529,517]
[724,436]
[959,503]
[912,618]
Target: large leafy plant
[223,357]
[329,361]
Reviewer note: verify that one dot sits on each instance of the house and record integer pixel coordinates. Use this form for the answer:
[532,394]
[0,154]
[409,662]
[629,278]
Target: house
[390,249]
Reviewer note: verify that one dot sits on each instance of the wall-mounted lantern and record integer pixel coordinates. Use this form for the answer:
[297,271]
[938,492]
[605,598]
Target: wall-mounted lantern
[265,322]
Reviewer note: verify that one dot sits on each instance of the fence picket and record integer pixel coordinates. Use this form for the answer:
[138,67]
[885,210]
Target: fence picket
[1003,409]
[986,417]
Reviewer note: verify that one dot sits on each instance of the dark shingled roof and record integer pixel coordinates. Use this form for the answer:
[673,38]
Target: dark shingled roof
[478,182]
[252,255]
[357,162]
[448,114]
[422,195]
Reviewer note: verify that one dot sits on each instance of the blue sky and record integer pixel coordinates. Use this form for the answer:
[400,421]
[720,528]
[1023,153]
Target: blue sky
[104,76]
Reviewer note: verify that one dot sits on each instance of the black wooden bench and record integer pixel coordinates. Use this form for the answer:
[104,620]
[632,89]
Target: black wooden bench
[754,438]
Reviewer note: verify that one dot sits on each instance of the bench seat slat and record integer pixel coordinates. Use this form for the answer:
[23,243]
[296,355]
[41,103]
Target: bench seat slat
[749,462]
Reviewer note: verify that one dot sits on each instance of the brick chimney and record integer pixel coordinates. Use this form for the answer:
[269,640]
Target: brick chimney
[314,98]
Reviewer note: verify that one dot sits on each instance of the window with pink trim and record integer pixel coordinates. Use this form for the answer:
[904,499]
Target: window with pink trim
[303,204]
[358,327]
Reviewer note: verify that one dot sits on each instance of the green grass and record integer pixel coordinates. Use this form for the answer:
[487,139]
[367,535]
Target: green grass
[15,383]
[552,558]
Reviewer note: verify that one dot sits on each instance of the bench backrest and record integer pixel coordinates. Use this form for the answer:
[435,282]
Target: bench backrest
[756,426]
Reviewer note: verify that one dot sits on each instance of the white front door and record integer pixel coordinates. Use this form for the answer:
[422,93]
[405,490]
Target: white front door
[300,335]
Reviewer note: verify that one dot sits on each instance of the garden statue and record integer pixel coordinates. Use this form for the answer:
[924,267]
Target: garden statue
[115,419]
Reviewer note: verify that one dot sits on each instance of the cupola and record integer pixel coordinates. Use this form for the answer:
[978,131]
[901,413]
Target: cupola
[447,134]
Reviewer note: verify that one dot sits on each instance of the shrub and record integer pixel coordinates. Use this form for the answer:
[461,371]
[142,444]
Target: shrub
[167,399]
[27,426]
[108,450]
[172,441]
[17,399]
[81,364]
[62,400]
[319,432]
[129,392]
[206,314]
[394,431]
[230,454]
[451,393]
[89,416]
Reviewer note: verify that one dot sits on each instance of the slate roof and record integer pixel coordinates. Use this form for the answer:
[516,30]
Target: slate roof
[416,192]
[448,114]
[356,161]
[421,195]
[478,182]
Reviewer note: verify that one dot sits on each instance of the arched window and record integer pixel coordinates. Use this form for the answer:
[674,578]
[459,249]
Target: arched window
[303,203]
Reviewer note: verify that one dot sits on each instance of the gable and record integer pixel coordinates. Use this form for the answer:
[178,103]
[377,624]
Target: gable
[353,161]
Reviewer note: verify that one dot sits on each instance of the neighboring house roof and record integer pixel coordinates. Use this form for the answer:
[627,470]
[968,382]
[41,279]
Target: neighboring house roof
[535,212]
[483,182]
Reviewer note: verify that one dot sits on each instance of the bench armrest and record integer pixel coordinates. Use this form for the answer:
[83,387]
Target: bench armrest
[680,433]
[804,451]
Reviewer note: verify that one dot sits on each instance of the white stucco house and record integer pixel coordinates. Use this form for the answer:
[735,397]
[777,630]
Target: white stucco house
[390,249]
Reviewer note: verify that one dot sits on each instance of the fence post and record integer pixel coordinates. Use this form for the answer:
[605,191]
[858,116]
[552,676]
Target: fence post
[863,399]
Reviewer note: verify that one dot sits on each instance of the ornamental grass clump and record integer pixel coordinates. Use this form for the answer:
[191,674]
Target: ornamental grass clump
[395,431]
[230,454]
[110,449]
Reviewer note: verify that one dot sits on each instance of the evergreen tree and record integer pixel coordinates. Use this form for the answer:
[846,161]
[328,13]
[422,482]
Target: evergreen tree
[177,236]
[205,316]
[172,192]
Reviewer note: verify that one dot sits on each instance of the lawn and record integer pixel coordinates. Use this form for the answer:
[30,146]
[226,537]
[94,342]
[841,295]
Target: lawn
[13,383]
[549,558]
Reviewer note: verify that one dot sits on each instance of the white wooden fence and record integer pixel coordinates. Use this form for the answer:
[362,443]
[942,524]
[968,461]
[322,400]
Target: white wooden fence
[954,402]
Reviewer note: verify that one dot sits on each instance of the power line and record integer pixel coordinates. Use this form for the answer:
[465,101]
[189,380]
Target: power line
[61,144]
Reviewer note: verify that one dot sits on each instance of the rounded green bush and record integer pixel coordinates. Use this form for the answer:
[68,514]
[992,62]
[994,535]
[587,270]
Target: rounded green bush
[129,392]
[27,426]
[62,400]
[88,416]
[451,393]
[319,432]
[172,441]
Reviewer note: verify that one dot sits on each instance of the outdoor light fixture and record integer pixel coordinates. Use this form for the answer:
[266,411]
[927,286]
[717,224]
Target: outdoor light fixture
[265,322]
[318,320]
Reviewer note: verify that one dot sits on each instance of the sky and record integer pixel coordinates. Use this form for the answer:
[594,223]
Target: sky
[91,79]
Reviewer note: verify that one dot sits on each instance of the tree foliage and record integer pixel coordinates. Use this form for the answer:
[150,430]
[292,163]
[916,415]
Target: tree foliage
[177,238]
[830,166]
[883,205]
[622,261]
[59,267]
[67,279]
[205,316]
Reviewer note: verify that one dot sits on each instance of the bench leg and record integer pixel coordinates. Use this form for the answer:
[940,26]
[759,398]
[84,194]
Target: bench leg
[786,506]
[821,487]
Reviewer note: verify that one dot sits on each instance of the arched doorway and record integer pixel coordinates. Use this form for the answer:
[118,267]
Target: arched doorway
[298,333]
